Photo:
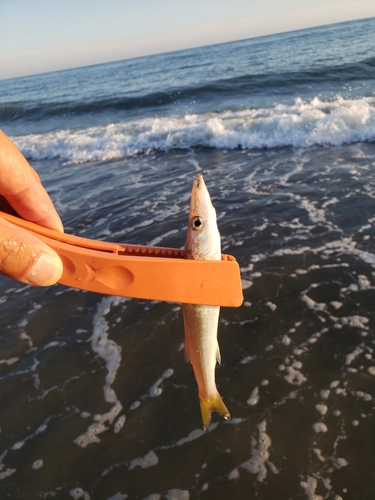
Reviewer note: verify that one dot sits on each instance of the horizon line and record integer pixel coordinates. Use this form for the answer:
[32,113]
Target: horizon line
[72,68]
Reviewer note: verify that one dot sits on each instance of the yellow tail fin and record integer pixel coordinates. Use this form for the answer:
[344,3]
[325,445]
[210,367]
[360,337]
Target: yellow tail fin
[210,404]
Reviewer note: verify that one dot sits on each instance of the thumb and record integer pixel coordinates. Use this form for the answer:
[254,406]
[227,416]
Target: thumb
[25,258]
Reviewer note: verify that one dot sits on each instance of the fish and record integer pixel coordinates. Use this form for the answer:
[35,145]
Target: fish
[201,321]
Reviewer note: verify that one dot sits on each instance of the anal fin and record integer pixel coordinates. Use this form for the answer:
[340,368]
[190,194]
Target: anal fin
[186,357]
[218,355]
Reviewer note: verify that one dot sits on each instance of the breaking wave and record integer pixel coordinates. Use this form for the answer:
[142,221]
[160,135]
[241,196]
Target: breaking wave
[303,124]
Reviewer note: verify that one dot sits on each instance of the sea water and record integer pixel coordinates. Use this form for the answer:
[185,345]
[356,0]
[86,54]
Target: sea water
[95,399]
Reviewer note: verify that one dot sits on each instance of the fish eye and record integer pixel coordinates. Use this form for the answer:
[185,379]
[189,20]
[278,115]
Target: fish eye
[197,223]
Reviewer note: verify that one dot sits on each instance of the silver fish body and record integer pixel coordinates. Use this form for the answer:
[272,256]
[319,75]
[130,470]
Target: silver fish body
[201,321]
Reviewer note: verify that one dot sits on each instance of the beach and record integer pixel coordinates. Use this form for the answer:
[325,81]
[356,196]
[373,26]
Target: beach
[96,401]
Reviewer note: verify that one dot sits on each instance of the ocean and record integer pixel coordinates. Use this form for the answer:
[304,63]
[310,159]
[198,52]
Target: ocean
[96,401]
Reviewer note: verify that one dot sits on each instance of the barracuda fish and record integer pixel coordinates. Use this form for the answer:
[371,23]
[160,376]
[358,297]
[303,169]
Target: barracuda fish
[201,321]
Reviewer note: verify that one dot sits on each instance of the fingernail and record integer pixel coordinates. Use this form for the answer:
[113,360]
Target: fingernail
[46,271]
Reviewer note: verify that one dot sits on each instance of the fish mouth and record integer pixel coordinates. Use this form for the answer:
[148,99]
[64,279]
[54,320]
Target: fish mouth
[198,185]
[200,198]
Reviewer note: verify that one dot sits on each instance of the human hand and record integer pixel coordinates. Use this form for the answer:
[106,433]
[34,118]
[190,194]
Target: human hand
[24,257]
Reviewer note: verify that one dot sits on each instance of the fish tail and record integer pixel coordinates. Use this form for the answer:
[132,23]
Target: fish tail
[208,405]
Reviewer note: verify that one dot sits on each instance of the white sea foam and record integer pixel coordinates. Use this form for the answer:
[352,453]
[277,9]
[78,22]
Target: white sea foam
[254,397]
[322,409]
[354,354]
[192,436]
[156,390]
[6,473]
[9,361]
[119,496]
[20,444]
[318,454]
[294,376]
[302,124]
[149,460]
[320,427]
[177,494]
[111,353]
[247,359]
[38,464]
[119,424]
[310,486]
[259,456]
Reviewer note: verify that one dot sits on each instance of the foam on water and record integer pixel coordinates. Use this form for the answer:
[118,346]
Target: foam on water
[38,464]
[77,493]
[192,436]
[149,460]
[310,486]
[9,361]
[156,390]
[259,456]
[254,397]
[111,353]
[118,496]
[41,429]
[6,473]
[300,125]
[177,494]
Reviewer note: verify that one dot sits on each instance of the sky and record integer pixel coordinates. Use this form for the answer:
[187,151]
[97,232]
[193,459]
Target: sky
[47,35]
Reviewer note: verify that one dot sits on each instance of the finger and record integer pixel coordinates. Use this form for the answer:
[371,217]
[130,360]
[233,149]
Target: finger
[25,258]
[21,186]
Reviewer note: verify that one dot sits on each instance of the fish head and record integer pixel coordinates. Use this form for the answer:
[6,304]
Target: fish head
[203,237]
